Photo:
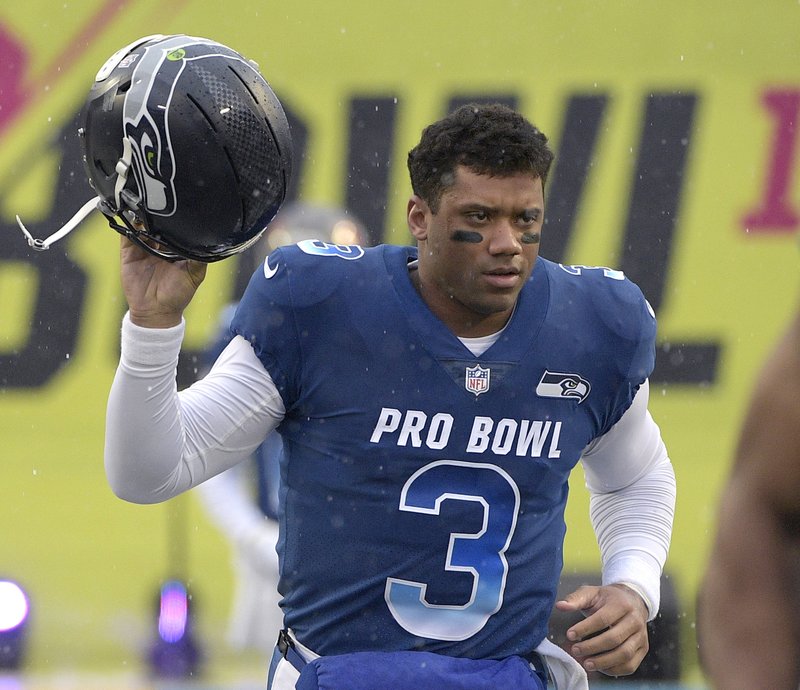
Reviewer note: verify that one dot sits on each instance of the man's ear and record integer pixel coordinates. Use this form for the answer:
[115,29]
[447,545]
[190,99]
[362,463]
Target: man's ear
[418,215]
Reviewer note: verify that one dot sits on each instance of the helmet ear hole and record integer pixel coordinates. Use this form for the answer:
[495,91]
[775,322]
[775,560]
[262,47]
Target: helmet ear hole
[210,147]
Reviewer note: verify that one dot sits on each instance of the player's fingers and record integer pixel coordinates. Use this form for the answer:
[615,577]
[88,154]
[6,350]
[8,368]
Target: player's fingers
[610,634]
[129,249]
[581,599]
[197,271]
[596,622]
[621,660]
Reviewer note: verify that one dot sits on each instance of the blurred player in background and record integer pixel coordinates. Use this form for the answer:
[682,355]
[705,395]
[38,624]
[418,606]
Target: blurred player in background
[243,501]
[749,610]
[433,401]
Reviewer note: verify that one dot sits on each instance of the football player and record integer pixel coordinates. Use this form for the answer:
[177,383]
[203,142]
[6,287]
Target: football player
[433,401]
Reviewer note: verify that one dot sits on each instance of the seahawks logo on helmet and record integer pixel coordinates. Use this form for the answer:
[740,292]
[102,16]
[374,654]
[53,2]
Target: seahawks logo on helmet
[560,385]
[146,115]
[145,122]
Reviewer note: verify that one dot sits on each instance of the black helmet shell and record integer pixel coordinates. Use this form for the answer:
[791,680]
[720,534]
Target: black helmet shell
[187,144]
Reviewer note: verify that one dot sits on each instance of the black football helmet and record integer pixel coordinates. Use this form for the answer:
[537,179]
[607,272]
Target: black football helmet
[186,144]
[187,147]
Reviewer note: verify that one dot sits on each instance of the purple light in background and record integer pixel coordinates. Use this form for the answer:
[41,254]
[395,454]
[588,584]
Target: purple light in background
[13,605]
[174,612]
[10,683]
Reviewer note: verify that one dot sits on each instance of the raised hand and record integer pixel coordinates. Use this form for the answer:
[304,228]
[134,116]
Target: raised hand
[157,291]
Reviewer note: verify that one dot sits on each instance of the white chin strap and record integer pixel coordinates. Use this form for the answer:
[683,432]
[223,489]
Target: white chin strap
[122,168]
[68,227]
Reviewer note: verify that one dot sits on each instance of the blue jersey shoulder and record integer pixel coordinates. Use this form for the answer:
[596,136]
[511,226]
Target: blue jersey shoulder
[613,304]
[314,265]
[310,282]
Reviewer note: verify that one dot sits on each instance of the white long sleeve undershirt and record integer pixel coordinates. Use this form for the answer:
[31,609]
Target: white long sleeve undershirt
[161,442]
[632,491]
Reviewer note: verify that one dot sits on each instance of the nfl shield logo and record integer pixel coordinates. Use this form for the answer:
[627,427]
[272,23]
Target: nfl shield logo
[477,379]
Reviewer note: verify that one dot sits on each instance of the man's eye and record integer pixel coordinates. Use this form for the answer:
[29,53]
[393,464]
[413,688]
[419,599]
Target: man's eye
[479,216]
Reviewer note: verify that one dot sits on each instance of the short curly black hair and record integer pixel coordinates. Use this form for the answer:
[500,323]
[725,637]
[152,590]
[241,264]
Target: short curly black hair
[488,139]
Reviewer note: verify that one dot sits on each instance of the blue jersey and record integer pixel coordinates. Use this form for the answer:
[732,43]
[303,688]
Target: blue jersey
[423,488]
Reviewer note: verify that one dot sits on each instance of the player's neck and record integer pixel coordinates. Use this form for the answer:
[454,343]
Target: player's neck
[463,322]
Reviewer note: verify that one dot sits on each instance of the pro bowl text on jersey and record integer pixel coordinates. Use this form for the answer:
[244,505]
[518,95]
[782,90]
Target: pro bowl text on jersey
[533,438]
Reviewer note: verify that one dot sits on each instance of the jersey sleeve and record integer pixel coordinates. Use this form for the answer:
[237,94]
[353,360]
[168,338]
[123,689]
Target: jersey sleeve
[631,324]
[281,311]
[264,317]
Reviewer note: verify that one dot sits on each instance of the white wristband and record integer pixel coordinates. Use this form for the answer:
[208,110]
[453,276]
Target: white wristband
[150,346]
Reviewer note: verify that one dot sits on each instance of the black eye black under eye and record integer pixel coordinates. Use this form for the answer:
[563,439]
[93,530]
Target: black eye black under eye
[469,236]
[530,238]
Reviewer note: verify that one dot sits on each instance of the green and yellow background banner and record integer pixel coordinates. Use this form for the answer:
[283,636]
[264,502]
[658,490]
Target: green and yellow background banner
[675,128]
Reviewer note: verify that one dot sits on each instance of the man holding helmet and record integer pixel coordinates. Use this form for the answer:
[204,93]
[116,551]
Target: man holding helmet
[433,401]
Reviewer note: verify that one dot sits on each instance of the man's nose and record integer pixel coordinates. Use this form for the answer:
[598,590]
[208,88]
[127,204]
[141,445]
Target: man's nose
[505,238]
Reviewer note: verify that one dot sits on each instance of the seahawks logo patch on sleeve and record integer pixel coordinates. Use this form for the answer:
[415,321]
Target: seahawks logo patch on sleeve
[560,385]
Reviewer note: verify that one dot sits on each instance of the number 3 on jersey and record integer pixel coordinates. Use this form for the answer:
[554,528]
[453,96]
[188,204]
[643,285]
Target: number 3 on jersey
[482,554]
